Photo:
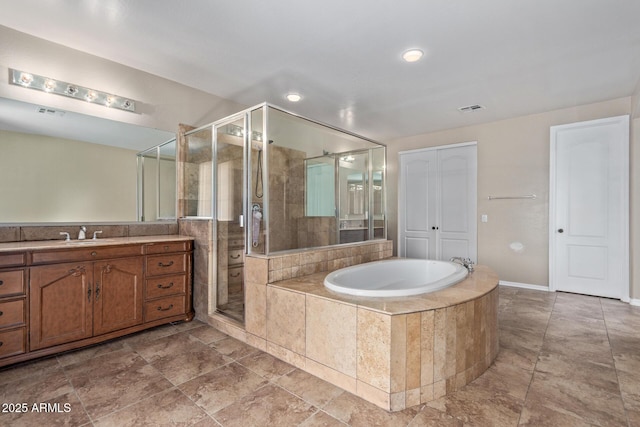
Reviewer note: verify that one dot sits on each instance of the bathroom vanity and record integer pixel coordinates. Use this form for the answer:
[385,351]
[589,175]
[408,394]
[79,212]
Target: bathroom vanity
[57,296]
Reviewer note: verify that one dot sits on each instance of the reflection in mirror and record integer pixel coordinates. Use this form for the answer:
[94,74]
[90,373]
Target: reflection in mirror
[157,183]
[320,191]
[60,166]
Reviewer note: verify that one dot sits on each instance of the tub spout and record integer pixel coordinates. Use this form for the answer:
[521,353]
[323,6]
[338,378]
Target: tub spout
[465,262]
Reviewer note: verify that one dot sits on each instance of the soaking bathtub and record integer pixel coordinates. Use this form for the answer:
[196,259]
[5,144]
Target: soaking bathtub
[395,277]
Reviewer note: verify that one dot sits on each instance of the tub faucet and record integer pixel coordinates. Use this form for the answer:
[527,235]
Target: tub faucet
[82,233]
[465,262]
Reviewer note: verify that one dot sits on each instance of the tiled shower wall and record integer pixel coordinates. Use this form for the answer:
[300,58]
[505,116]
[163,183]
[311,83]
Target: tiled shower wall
[204,249]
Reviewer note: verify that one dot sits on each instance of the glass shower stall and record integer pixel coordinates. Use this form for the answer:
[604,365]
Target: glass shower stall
[272,182]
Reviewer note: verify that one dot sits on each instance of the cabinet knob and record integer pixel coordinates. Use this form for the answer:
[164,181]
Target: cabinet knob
[1,343]
[1,282]
[1,313]
[94,253]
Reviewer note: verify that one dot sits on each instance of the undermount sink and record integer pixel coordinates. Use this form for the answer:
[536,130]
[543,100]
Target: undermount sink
[87,242]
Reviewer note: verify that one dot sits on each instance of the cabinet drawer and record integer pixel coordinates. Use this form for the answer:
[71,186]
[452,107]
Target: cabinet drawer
[165,307]
[236,243]
[166,264]
[12,342]
[165,286]
[13,260]
[167,247]
[85,254]
[235,275]
[12,283]
[12,313]
[235,256]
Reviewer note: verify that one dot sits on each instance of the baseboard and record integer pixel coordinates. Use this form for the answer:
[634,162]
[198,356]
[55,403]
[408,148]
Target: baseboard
[634,301]
[524,286]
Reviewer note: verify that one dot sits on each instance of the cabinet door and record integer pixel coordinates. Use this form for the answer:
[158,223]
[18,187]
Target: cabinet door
[60,304]
[118,294]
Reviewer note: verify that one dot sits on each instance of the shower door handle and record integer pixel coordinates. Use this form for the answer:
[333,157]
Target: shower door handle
[241,221]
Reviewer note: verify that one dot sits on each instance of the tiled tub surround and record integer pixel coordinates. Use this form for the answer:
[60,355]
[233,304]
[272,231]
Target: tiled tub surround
[393,352]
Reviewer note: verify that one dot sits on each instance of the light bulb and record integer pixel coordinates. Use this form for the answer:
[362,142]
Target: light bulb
[412,55]
[26,79]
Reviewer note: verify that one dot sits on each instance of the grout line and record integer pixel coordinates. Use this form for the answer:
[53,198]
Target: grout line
[533,372]
[615,367]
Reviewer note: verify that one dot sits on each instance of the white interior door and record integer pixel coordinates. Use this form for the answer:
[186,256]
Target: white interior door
[456,223]
[438,203]
[417,215]
[589,205]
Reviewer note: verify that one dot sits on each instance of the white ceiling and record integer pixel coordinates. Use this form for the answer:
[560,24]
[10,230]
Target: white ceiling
[515,57]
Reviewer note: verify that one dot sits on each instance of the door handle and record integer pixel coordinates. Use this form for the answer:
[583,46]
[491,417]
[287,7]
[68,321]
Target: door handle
[560,230]
[435,228]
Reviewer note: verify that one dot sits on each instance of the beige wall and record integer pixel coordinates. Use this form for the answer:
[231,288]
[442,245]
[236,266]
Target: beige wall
[513,159]
[635,205]
[67,180]
[634,187]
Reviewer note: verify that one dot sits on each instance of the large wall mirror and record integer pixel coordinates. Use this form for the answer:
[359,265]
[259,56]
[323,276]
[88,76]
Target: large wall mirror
[60,166]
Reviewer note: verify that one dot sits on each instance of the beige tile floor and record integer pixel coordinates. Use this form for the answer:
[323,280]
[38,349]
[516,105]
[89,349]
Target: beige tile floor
[565,360]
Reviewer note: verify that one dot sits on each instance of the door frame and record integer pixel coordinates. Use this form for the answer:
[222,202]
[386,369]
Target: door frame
[401,192]
[624,119]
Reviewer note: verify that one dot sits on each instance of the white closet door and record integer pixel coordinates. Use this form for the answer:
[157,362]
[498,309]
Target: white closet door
[417,216]
[437,203]
[457,226]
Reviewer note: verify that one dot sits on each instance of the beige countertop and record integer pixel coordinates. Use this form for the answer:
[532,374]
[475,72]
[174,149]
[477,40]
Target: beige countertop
[480,282]
[76,244]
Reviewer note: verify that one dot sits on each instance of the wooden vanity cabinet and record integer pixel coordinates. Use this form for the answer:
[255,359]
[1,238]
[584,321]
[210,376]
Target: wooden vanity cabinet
[61,305]
[55,300]
[13,306]
[75,301]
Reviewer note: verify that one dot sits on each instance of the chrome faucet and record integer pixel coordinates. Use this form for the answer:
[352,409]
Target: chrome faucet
[82,233]
[95,234]
[465,262]
[67,236]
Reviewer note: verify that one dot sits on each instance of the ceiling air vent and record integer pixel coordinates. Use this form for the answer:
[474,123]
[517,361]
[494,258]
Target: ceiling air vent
[470,108]
[50,112]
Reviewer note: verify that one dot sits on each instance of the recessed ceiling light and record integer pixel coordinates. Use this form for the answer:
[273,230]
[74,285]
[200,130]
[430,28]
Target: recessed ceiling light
[412,55]
[294,97]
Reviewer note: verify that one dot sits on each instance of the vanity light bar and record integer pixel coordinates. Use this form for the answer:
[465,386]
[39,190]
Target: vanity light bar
[58,87]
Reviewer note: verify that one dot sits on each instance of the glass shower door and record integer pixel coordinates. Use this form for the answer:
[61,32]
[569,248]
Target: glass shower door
[230,228]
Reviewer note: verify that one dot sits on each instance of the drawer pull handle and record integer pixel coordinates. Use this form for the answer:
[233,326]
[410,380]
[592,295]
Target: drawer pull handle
[97,291]
[235,275]
[234,257]
[1,282]
[170,285]
[89,293]
[165,309]
[1,313]
[1,343]
[160,264]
